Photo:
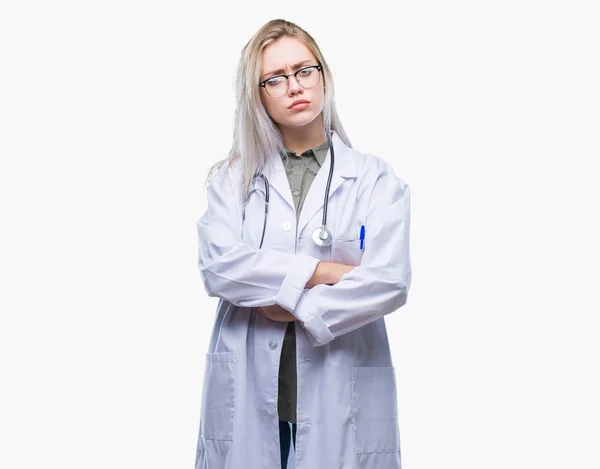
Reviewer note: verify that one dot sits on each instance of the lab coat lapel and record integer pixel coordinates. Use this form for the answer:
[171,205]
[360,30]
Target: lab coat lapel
[344,167]
[278,180]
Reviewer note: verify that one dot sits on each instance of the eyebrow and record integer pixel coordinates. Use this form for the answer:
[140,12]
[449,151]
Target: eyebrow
[280,70]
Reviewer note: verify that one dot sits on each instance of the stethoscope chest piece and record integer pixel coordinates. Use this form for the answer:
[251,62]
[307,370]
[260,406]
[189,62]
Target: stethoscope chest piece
[322,236]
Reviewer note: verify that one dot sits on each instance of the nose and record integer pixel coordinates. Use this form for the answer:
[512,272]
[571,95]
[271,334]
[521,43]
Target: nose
[293,85]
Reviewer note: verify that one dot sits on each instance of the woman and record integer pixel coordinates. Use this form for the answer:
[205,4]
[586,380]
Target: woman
[299,350]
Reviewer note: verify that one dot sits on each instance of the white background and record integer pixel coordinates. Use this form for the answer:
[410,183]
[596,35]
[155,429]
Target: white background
[110,115]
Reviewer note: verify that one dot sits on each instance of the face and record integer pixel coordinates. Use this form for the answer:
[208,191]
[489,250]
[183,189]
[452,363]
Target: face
[284,54]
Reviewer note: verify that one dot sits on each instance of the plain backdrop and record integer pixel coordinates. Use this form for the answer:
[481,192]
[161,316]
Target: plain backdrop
[111,114]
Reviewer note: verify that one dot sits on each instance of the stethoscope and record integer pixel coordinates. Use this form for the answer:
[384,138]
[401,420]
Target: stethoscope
[321,236]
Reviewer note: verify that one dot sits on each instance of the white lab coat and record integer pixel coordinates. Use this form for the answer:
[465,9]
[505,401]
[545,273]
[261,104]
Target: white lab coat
[347,408]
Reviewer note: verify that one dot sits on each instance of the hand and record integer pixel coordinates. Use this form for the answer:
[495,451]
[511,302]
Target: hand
[328,273]
[337,271]
[276,313]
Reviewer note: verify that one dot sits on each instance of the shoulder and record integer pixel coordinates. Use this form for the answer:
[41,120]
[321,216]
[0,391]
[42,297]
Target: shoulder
[226,172]
[372,168]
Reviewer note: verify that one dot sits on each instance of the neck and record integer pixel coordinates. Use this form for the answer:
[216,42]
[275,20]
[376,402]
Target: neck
[300,139]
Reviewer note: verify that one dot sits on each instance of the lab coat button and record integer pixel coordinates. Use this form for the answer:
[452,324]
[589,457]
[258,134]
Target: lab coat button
[286,226]
[273,344]
[271,409]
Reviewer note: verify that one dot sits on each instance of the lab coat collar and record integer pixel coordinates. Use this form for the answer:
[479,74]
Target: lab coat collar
[344,167]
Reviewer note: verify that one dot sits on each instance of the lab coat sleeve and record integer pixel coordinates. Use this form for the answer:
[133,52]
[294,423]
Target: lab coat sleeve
[233,270]
[380,284]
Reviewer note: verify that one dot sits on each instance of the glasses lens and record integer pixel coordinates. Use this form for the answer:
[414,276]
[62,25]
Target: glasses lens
[276,86]
[307,77]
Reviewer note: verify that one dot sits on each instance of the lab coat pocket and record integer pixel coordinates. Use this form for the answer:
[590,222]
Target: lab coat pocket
[218,408]
[375,409]
[346,251]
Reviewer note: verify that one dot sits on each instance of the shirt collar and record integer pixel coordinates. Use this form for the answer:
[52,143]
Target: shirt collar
[319,152]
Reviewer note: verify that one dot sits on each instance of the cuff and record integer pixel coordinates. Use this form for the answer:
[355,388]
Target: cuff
[294,283]
[311,321]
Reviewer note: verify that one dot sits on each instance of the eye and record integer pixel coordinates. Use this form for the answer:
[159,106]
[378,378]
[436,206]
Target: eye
[274,81]
[306,71]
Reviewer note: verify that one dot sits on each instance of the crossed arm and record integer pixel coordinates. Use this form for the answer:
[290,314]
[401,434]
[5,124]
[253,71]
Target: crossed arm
[326,273]
[325,304]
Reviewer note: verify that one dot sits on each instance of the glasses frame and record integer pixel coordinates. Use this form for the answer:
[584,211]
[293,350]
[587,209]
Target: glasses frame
[263,83]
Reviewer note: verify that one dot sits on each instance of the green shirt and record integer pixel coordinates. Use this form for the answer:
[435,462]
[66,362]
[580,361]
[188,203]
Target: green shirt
[301,171]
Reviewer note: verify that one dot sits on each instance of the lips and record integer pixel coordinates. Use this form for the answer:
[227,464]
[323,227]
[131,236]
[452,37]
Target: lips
[299,101]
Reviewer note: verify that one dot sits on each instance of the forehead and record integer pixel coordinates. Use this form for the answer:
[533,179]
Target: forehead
[284,52]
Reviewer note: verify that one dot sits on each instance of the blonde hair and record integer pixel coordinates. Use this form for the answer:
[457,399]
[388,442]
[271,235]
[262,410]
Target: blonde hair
[255,135]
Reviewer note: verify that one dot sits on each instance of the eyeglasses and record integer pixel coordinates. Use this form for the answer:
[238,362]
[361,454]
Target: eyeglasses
[306,77]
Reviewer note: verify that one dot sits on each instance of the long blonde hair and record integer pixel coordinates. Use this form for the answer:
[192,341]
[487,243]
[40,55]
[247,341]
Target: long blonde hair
[255,135]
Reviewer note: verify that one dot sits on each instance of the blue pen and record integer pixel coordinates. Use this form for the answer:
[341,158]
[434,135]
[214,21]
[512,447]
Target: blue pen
[362,236]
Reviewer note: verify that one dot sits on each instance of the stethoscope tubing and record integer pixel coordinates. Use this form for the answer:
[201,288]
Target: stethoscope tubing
[325,202]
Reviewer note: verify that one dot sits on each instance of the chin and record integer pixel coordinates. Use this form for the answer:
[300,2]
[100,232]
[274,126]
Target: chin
[300,120]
